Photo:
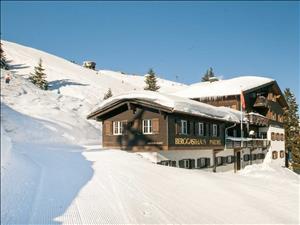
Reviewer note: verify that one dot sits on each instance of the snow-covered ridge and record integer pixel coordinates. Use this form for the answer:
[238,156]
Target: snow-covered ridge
[227,87]
[176,104]
[74,80]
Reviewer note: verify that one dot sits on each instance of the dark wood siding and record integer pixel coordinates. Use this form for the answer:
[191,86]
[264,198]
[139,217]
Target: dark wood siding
[192,140]
[133,137]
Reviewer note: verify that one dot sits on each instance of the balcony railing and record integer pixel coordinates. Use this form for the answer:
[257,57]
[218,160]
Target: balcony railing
[257,119]
[233,142]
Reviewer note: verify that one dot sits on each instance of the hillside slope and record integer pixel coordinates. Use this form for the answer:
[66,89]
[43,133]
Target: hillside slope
[74,80]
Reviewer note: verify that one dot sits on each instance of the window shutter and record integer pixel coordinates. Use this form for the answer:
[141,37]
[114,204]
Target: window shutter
[174,163]
[207,162]
[207,130]
[177,126]
[196,129]
[224,160]
[218,130]
[190,127]
[155,126]
[107,127]
[181,163]
[124,126]
[192,163]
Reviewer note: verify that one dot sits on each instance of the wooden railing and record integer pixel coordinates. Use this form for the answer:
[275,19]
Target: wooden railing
[256,119]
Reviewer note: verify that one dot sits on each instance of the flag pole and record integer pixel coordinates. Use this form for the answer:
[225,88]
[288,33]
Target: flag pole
[241,106]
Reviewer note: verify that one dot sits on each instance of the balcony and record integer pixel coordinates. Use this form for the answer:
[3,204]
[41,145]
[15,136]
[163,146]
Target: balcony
[235,142]
[257,119]
[261,102]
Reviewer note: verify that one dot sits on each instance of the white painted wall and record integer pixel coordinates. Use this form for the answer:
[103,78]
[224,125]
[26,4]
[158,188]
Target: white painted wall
[276,146]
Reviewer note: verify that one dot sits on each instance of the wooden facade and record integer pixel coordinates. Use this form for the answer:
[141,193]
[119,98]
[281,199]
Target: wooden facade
[125,127]
[266,100]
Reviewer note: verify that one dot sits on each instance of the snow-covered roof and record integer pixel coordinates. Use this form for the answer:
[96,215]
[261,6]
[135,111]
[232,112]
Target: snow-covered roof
[174,104]
[220,88]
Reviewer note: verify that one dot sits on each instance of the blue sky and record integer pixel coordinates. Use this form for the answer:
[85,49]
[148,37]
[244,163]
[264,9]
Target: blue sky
[176,39]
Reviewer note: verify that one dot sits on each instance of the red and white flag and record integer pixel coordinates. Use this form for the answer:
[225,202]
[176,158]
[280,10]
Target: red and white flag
[243,103]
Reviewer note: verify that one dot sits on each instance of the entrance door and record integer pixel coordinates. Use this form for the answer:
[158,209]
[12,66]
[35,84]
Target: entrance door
[238,160]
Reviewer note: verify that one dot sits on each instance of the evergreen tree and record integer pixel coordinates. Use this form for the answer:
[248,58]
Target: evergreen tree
[292,129]
[209,73]
[2,52]
[151,81]
[108,94]
[39,77]
[2,58]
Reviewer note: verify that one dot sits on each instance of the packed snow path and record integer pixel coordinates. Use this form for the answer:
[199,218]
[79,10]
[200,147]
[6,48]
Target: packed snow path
[123,188]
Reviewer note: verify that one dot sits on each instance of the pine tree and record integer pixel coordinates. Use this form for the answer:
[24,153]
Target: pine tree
[209,73]
[2,58]
[292,129]
[151,81]
[2,52]
[39,77]
[108,94]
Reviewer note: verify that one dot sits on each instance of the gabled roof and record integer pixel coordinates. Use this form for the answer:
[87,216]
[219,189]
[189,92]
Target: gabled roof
[221,88]
[167,103]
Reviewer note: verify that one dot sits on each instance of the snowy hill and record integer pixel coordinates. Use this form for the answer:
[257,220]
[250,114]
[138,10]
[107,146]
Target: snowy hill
[53,170]
[74,80]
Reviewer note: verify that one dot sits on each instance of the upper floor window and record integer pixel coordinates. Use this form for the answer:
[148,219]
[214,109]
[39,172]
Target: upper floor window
[183,127]
[215,130]
[201,129]
[117,127]
[147,126]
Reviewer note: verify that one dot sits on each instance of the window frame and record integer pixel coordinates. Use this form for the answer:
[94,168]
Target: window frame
[215,130]
[148,126]
[183,128]
[118,128]
[201,131]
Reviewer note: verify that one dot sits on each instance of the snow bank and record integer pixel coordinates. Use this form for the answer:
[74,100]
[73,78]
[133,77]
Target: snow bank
[5,149]
[221,88]
[176,104]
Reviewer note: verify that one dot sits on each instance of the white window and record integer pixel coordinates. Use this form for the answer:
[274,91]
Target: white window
[201,129]
[147,126]
[118,127]
[183,127]
[215,130]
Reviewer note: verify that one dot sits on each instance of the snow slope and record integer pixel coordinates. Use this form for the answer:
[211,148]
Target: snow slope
[54,172]
[74,80]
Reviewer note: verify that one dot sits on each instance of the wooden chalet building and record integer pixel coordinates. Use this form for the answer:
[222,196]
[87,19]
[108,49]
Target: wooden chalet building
[264,107]
[179,132]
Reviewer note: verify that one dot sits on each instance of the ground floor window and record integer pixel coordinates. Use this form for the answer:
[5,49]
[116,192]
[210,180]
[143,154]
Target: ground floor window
[274,155]
[203,162]
[147,126]
[246,157]
[117,127]
[230,159]
[220,160]
[281,154]
[260,156]
[167,163]
[187,163]
[253,157]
